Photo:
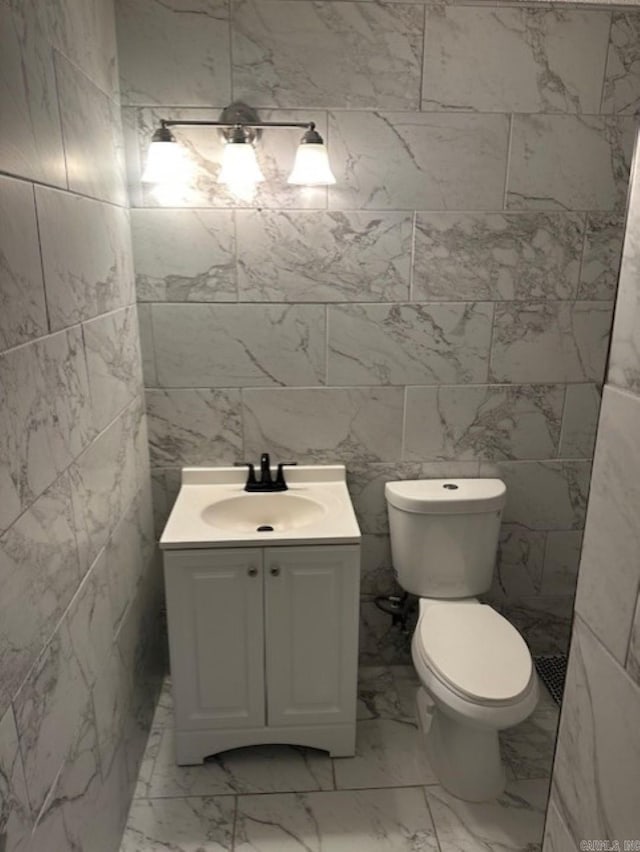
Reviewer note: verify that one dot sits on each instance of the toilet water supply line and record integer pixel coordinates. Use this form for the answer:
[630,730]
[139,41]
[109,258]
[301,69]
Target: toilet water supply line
[398,607]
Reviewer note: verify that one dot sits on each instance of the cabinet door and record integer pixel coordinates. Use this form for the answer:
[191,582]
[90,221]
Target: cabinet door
[216,637]
[311,636]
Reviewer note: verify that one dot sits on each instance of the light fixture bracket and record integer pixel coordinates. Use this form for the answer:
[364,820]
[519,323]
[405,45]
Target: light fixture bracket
[239,123]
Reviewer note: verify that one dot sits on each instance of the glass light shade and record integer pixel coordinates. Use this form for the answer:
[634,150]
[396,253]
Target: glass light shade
[311,166]
[240,165]
[166,163]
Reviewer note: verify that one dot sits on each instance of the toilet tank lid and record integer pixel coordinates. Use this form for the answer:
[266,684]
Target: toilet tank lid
[447,496]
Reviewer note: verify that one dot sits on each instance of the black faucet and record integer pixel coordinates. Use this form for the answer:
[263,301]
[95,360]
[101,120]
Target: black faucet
[266,481]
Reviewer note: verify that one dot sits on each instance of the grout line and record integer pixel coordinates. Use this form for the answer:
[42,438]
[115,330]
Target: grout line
[583,251]
[403,436]
[606,66]
[326,194]
[154,359]
[372,211]
[234,826]
[91,390]
[345,303]
[56,628]
[563,414]
[68,191]
[230,33]
[234,220]
[601,643]
[422,58]
[636,612]
[73,327]
[501,385]
[326,346]
[63,141]
[505,195]
[74,460]
[45,296]
[243,425]
[155,757]
[372,110]
[109,94]
[491,341]
[289,792]
[430,812]
[545,554]
[115,101]
[412,256]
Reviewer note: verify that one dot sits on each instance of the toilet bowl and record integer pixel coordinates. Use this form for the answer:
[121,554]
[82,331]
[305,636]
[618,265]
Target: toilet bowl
[477,678]
[476,672]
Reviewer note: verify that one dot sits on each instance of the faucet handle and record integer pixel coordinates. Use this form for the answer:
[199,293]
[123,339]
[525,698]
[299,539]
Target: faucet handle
[280,474]
[251,474]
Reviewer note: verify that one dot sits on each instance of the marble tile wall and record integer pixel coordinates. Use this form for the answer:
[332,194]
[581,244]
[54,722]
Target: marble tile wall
[597,763]
[443,309]
[79,576]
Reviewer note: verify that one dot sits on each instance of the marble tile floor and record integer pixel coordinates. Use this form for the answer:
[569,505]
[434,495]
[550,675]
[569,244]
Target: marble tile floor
[385,799]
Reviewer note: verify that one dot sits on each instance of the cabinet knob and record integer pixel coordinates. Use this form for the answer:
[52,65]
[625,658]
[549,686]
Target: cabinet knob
[275,571]
[253,571]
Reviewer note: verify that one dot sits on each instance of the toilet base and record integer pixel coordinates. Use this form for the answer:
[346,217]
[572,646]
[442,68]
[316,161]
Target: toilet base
[466,759]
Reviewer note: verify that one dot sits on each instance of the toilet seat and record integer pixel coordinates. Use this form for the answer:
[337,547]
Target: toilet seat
[475,651]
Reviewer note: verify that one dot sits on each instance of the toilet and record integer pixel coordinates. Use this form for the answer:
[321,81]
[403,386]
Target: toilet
[476,672]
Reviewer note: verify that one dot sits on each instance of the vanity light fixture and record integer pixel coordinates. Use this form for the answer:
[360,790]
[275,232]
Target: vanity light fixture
[241,127]
[165,158]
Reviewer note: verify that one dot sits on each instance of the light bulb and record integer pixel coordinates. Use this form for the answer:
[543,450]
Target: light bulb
[166,163]
[240,170]
[311,166]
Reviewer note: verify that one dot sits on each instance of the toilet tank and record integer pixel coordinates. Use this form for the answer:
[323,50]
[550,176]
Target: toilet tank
[444,534]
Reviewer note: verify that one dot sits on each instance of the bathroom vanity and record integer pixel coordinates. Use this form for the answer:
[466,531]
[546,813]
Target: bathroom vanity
[262,601]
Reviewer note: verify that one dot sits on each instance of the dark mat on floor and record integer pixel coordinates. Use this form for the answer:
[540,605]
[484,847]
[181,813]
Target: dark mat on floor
[553,671]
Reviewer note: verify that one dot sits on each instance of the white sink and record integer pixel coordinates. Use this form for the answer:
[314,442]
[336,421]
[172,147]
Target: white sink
[265,513]
[214,510]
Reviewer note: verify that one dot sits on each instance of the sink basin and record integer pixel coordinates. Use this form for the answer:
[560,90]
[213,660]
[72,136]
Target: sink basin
[265,513]
[213,510]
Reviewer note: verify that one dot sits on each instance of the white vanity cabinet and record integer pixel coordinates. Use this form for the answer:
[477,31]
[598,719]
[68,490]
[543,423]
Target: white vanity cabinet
[264,645]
